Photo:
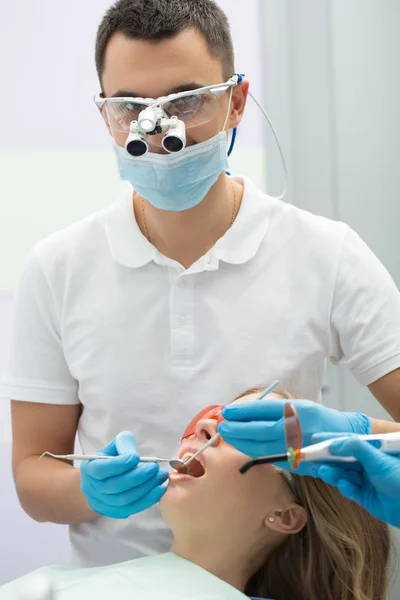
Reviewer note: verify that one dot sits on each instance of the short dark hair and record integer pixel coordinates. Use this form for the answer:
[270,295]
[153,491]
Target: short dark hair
[159,20]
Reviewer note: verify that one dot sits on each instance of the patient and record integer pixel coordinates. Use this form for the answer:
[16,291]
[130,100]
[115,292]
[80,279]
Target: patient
[265,534]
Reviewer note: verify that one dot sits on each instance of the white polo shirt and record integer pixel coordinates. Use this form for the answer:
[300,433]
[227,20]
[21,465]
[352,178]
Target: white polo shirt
[103,319]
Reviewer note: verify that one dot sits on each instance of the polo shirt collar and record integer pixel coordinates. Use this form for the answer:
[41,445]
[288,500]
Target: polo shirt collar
[130,248]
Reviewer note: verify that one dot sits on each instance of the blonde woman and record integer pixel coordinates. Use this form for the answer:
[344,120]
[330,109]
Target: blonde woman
[268,534]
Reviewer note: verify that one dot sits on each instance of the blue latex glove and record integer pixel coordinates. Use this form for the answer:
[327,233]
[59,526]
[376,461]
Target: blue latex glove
[373,482]
[256,428]
[121,487]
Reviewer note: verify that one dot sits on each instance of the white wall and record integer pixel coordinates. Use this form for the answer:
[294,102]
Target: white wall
[366,83]
[333,89]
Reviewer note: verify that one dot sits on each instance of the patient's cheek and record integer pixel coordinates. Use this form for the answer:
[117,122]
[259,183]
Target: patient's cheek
[225,473]
[232,457]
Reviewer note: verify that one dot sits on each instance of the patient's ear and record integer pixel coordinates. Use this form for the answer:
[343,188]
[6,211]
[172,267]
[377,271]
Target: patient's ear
[287,520]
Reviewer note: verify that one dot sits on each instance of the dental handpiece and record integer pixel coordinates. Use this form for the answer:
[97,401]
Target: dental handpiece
[386,442]
[320,452]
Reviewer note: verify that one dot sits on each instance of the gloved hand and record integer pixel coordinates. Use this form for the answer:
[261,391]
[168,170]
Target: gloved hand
[373,482]
[121,487]
[256,428]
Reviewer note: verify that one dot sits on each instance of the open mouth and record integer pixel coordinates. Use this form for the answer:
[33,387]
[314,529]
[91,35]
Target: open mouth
[194,469]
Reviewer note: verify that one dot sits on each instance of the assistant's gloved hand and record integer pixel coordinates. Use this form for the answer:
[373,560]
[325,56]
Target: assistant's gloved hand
[373,482]
[121,487]
[256,428]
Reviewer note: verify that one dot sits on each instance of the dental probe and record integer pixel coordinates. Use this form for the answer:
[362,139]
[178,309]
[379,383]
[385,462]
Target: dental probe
[210,442]
[173,462]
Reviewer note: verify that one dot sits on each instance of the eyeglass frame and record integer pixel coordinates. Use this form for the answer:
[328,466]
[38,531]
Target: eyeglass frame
[216,89]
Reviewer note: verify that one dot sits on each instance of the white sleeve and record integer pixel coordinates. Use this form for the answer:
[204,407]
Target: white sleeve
[37,370]
[365,317]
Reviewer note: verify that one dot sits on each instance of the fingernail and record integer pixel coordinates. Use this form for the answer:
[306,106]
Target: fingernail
[222,429]
[133,458]
[227,410]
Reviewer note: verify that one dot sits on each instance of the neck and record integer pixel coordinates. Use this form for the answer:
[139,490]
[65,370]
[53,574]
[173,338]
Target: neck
[186,236]
[229,562]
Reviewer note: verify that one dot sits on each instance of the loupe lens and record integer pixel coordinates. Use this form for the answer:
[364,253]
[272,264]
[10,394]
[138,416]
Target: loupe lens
[173,144]
[136,148]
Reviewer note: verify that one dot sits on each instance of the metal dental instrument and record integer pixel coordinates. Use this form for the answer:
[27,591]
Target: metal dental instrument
[173,462]
[210,442]
[207,445]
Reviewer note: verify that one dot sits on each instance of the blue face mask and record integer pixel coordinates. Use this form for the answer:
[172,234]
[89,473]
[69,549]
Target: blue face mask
[179,181]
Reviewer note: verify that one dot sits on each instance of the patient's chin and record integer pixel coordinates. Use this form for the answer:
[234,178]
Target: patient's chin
[180,504]
[170,498]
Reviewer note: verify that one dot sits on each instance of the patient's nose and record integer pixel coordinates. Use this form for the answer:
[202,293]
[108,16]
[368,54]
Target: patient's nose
[206,429]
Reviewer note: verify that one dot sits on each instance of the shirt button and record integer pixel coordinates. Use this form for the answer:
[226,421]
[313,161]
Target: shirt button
[183,321]
[182,283]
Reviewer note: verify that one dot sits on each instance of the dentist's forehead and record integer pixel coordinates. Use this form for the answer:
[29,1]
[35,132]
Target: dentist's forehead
[151,68]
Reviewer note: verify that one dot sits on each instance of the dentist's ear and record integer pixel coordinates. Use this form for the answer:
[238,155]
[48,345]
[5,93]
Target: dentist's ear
[288,520]
[238,103]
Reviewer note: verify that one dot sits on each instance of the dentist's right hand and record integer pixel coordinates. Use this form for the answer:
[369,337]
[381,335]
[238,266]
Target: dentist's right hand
[121,487]
[373,481]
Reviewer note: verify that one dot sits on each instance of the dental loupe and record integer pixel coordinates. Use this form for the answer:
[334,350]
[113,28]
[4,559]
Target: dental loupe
[152,121]
[132,119]
[170,115]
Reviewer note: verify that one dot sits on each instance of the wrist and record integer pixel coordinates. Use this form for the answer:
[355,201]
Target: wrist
[381,426]
[88,514]
[359,423]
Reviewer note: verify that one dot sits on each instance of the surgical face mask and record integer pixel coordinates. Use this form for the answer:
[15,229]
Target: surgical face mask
[176,182]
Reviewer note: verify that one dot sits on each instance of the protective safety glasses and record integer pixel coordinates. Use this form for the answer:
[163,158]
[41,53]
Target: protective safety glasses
[210,412]
[293,439]
[193,107]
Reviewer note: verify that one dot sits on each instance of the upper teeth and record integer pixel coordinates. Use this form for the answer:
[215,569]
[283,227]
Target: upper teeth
[187,455]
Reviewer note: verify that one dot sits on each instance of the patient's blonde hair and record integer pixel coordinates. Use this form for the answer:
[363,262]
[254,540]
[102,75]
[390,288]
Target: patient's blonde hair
[341,554]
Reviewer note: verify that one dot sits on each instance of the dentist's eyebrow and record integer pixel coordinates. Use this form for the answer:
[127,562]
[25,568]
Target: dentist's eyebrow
[184,87]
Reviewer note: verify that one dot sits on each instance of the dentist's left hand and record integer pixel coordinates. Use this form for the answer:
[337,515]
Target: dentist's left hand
[121,487]
[256,428]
